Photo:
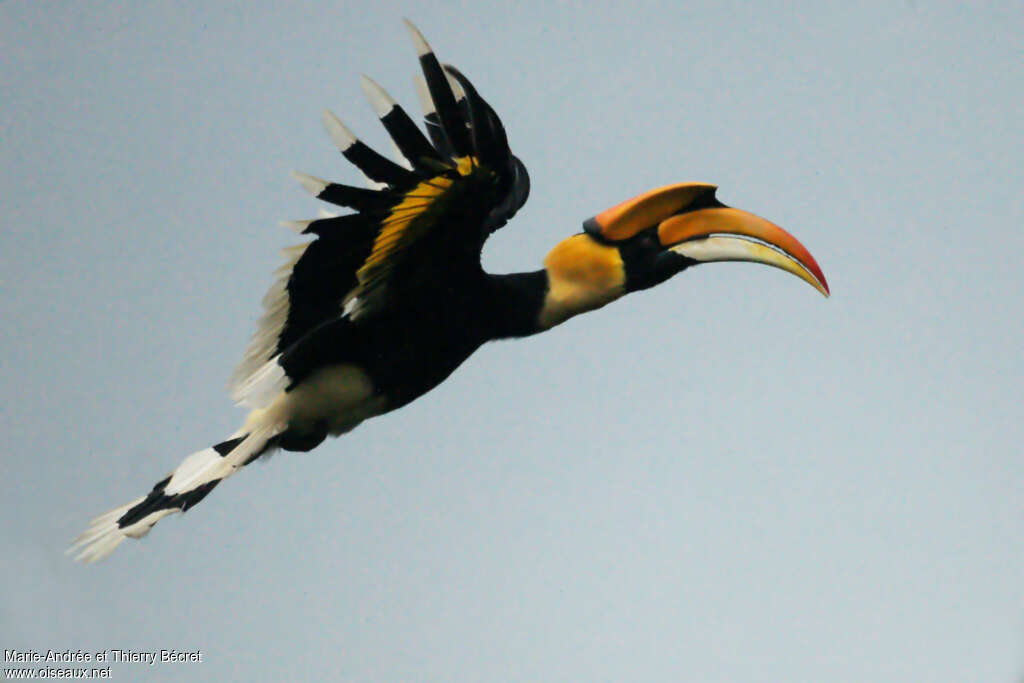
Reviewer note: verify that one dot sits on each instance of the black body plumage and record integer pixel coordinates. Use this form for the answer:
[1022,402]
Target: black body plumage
[390,298]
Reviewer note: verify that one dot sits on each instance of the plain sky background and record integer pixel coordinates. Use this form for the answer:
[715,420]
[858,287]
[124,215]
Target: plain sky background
[728,478]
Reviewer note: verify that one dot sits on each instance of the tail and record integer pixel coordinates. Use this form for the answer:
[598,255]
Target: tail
[193,479]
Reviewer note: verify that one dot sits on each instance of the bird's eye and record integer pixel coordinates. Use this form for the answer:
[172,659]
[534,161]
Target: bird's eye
[648,240]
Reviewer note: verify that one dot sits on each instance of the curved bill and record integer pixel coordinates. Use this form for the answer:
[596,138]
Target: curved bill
[727,234]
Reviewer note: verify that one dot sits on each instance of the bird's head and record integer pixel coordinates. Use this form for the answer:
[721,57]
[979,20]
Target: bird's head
[646,240]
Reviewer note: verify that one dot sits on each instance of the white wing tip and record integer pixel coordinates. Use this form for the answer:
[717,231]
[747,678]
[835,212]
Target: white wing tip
[423,95]
[296,226]
[379,98]
[422,48]
[341,136]
[456,87]
[311,184]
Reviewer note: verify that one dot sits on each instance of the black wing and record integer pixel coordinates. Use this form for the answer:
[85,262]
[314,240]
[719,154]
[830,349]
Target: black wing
[459,185]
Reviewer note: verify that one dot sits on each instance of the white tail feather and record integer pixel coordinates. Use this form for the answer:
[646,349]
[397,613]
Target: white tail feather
[262,386]
[102,536]
[199,469]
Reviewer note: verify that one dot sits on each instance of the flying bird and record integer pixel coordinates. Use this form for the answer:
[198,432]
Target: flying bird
[386,301]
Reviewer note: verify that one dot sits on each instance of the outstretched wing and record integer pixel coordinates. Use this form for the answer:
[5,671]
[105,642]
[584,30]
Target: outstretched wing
[455,188]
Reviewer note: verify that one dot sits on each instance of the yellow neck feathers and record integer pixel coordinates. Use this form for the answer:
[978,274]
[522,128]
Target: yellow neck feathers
[583,274]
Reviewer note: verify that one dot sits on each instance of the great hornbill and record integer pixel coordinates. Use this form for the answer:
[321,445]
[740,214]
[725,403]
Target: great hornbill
[385,302]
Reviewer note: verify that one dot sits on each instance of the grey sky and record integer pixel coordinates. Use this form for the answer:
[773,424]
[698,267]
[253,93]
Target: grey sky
[727,478]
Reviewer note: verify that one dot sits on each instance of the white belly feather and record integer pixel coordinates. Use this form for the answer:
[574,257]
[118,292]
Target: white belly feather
[340,395]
